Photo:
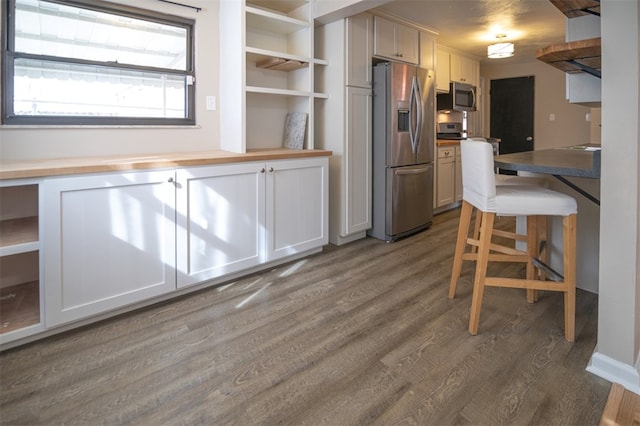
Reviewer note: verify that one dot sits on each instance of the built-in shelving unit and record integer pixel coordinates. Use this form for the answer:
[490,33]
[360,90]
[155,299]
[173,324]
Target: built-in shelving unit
[19,258]
[267,71]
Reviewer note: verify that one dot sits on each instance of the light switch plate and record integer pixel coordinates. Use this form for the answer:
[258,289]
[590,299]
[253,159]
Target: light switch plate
[211,103]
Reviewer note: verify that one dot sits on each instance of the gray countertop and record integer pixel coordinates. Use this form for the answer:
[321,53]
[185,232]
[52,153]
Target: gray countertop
[578,161]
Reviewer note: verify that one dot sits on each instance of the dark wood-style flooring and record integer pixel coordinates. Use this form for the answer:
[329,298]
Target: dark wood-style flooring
[358,334]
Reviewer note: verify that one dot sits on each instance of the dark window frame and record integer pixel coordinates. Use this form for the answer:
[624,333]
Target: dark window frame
[9,55]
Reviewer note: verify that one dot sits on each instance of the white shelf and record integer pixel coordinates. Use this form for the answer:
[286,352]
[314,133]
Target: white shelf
[272,91]
[255,54]
[273,22]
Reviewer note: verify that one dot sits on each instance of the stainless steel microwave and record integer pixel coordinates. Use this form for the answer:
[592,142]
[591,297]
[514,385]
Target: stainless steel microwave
[461,97]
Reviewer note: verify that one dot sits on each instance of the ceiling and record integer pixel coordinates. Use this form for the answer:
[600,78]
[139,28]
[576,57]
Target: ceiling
[470,25]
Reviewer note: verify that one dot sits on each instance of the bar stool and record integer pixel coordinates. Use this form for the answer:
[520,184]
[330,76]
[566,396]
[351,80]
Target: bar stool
[481,192]
[505,180]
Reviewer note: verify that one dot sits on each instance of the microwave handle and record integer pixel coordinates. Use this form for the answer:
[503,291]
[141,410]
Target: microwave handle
[473,93]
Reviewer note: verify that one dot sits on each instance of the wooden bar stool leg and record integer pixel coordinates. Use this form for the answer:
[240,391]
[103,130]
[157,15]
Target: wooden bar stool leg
[486,229]
[569,238]
[542,238]
[476,229]
[532,251]
[463,232]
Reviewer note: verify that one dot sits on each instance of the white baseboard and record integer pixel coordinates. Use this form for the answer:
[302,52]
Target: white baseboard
[615,371]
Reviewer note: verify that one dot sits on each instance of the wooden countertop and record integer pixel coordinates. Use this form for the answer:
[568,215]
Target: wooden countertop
[447,142]
[69,166]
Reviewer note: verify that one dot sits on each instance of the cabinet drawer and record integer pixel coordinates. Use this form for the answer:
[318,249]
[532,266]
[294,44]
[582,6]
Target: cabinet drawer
[448,152]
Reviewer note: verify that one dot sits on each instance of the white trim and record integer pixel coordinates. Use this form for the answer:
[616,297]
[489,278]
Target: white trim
[615,371]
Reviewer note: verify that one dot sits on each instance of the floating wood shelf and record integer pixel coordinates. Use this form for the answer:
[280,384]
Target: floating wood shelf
[573,8]
[574,56]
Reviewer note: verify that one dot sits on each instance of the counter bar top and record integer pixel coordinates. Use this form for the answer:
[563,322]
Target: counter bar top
[67,166]
[577,161]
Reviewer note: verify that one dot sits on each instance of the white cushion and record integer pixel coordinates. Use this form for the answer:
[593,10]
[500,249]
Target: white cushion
[524,200]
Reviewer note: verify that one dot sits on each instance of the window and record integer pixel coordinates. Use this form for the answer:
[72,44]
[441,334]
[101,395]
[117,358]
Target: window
[92,62]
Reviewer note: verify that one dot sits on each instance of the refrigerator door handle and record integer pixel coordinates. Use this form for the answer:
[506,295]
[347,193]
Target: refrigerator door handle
[419,112]
[412,171]
[412,101]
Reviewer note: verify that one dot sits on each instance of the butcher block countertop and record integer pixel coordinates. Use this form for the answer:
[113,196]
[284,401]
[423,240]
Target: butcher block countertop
[447,142]
[68,166]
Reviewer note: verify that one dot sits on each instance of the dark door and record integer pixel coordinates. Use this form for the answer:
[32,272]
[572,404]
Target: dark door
[512,113]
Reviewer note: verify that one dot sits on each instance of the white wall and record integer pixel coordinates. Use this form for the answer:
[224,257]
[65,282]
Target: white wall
[617,354]
[55,142]
[570,126]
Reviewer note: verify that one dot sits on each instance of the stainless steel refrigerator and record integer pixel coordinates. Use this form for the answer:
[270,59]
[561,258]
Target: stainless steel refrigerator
[403,138]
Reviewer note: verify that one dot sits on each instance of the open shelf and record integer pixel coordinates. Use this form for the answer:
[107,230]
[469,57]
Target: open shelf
[273,22]
[573,56]
[18,231]
[573,8]
[20,306]
[19,258]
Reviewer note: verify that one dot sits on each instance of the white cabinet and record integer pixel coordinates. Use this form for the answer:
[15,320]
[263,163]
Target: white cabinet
[84,246]
[457,179]
[344,124]
[220,220]
[268,69]
[427,51]
[20,284]
[358,49]
[445,176]
[297,197]
[464,70]
[109,241]
[395,41]
[357,160]
[453,67]
[448,176]
[443,77]
[234,217]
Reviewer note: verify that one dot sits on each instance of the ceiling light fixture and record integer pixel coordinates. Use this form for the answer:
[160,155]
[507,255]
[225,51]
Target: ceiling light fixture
[500,50]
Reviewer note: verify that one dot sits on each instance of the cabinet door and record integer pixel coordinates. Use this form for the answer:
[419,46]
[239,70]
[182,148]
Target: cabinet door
[359,50]
[445,181]
[408,44]
[109,241]
[443,77]
[458,176]
[427,51]
[464,70]
[220,213]
[357,214]
[297,216]
[384,38]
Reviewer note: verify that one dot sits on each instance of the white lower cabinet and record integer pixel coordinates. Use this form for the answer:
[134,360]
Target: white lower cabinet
[297,199]
[109,241]
[230,218]
[457,181]
[448,176]
[220,213]
[117,239]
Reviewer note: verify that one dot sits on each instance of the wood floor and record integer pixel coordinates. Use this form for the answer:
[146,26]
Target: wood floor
[359,334]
